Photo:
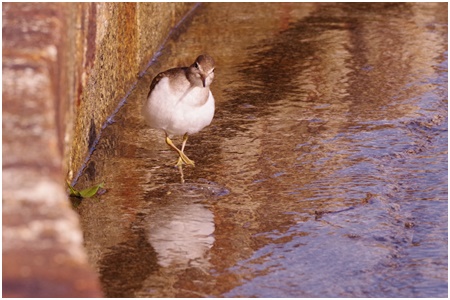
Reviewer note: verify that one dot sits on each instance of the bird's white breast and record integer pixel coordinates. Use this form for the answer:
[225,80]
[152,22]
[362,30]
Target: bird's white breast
[179,109]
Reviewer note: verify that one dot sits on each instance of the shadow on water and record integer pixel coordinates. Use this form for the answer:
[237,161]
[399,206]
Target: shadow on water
[324,172]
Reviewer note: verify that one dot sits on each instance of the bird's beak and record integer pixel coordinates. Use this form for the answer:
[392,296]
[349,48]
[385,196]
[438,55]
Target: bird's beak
[203,81]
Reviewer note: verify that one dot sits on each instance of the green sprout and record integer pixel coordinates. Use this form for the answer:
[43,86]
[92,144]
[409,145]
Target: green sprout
[86,193]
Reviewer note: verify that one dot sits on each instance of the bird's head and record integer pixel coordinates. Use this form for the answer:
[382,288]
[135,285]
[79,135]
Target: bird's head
[203,70]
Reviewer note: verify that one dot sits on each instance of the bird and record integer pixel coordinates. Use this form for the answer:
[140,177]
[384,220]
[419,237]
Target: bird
[180,102]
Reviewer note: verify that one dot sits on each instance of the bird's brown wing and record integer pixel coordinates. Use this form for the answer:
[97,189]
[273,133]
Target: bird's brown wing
[155,82]
[168,73]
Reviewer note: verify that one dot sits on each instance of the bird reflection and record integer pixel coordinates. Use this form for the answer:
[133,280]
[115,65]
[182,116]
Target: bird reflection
[182,235]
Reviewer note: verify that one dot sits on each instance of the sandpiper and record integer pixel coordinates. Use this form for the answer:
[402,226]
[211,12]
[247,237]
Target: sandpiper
[181,103]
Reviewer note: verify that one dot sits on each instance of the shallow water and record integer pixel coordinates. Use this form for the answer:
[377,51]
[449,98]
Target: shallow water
[323,174]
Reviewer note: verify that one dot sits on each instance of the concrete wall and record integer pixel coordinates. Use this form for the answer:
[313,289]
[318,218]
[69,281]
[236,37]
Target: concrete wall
[65,68]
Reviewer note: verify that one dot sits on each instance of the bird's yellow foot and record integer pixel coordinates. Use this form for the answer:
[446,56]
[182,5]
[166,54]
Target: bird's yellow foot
[183,159]
[179,163]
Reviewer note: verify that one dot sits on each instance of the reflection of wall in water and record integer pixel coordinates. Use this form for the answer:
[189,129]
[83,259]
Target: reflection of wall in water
[182,235]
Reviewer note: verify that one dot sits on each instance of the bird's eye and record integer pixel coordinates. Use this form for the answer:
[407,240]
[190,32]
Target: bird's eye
[196,65]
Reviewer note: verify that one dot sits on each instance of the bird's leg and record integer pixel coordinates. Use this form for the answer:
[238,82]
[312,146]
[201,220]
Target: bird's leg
[183,158]
[180,167]
[180,162]
[185,138]
[186,159]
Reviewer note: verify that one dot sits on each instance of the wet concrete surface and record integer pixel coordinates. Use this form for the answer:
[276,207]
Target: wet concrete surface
[323,174]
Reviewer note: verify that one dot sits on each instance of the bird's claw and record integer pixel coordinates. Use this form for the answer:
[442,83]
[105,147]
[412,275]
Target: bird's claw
[183,159]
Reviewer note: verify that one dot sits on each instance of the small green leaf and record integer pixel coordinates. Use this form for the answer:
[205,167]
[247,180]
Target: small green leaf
[89,192]
[73,192]
[86,193]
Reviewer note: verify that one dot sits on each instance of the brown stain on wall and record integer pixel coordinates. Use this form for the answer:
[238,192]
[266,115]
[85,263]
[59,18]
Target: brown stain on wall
[91,37]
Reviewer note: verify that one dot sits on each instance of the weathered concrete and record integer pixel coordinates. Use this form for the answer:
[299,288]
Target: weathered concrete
[43,254]
[65,68]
